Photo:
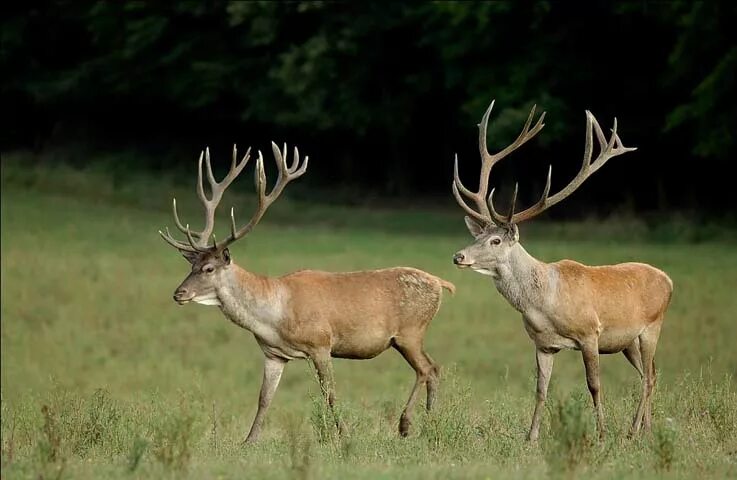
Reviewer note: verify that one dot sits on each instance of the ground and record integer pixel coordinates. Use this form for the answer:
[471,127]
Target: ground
[103,375]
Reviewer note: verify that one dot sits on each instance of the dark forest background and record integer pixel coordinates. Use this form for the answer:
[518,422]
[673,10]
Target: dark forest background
[381,95]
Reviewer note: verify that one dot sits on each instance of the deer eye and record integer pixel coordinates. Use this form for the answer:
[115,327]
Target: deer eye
[496,241]
[208,269]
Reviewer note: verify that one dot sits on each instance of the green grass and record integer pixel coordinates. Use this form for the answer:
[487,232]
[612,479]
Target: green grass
[104,376]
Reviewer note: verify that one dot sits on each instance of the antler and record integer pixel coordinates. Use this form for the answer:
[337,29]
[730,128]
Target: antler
[198,241]
[608,149]
[484,213]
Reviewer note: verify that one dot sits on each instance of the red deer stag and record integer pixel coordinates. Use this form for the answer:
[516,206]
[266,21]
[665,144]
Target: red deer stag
[566,305]
[307,314]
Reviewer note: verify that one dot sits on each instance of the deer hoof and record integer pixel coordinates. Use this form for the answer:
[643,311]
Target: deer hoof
[404,424]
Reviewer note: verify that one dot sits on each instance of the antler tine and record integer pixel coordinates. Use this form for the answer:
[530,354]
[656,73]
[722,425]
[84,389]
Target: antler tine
[200,186]
[614,135]
[259,178]
[284,155]
[235,170]
[458,189]
[608,148]
[470,211]
[178,222]
[498,218]
[457,181]
[210,177]
[295,160]
[201,194]
[592,122]
[232,222]
[281,162]
[174,242]
[192,241]
[513,204]
[301,170]
[524,135]
[483,126]
[487,161]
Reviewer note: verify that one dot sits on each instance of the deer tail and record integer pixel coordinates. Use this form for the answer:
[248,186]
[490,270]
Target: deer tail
[448,286]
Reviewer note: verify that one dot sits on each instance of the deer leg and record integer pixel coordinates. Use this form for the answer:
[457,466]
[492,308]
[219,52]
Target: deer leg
[411,350]
[647,421]
[432,381]
[544,370]
[590,352]
[633,354]
[324,367]
[648,344]
[273,368]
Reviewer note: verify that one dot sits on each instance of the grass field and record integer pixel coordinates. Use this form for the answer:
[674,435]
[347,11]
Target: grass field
[104,376]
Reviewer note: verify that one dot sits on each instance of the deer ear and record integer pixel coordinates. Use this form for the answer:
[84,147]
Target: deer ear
[226,256]
[474,227]
[190,256]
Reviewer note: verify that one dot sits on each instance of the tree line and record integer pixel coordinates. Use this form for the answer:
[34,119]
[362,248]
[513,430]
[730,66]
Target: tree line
[382,95]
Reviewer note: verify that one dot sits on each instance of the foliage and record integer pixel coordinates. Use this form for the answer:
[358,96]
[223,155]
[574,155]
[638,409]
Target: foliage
[384,93]
[705,59]
[664,444]
[574,435]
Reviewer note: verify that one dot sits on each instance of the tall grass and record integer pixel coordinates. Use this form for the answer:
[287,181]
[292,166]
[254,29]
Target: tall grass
[103,376]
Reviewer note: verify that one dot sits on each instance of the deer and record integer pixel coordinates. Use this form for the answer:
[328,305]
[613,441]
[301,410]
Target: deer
[565,305]
[306,314]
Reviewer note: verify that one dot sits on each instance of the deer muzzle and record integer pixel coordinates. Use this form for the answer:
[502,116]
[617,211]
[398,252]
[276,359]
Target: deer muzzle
[459,259]
[182,296]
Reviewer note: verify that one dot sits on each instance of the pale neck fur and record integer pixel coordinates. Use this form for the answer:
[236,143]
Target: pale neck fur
[249,300]
[523,280]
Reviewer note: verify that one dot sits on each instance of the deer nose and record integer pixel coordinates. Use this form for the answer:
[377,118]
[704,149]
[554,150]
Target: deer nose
[180,294]
[458,258]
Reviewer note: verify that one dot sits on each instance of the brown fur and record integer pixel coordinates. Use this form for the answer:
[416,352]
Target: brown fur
[319,315]
[623,298]
[357,314]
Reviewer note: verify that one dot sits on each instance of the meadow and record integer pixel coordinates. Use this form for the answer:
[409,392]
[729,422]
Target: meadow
[104,376]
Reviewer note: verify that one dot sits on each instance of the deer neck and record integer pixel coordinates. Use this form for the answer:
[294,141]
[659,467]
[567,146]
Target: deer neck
[251,301]
[522,279]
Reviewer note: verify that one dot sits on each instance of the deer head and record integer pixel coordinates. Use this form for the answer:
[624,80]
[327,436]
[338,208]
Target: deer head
[211,262]
[497,234]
